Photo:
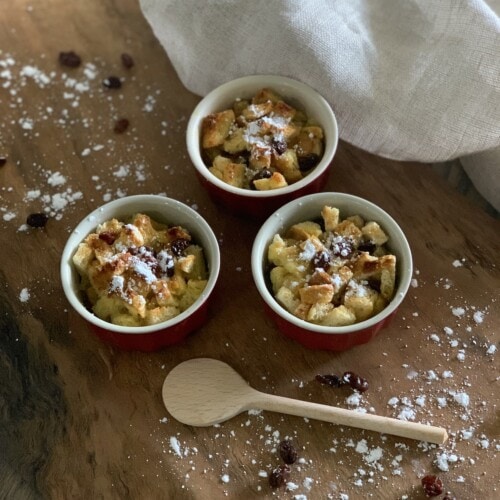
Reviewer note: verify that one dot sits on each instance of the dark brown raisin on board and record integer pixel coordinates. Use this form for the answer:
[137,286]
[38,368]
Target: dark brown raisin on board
[121,126]
[37,220]
[127,60]
[70,59]
[3,160]
[355,381]
[287,452]
[112,82]
[433,486]
[279,476]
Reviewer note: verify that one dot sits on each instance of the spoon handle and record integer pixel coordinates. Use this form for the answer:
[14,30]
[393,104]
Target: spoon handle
[350,418]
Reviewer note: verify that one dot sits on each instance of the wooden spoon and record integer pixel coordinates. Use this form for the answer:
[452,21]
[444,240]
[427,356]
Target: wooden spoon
[204,391]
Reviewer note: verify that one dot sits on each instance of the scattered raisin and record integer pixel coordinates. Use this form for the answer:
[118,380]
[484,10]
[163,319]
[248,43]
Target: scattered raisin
[3,160]
[265,173]
[112,82]
[279,146]
[287,452]
[37,220]
[331,380]
[108,237]
[279,476]
[121,125]
[179,245]
[449,496]
[355,381]
[127,60]
[433,486]
[321,260]
[307,162]
[70,59]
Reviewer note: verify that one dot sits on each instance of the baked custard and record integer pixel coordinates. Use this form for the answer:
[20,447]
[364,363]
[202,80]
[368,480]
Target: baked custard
[140,272]
[263,143]
[332,272]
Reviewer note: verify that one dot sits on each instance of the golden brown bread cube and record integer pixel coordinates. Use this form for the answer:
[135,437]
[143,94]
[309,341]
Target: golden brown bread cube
[330,217]
[304,230]
[374,233]
[316,294]
[260,157]
[254,111]
[288,165]
[235,142]
[310,141]
[275,181]
[265,95]
[228,172]
[215,128]
[339,316]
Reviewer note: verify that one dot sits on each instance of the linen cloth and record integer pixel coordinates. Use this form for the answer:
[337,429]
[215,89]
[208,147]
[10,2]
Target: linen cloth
[407,79]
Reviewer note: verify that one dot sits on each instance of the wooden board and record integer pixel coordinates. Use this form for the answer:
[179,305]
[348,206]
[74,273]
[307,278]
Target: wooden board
[80,419]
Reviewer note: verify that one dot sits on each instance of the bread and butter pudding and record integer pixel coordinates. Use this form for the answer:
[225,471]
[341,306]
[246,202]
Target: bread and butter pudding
[140,272]
[262,143]
[332,272]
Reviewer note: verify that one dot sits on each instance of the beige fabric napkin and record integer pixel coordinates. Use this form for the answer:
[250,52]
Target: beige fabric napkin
[410,80]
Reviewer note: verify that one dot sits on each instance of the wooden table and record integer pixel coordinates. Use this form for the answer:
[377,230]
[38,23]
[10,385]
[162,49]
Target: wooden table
[80,419]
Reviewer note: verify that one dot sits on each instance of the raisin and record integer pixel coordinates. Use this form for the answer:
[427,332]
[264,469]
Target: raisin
[449,496]
[367,247]
[279,476]
[179,245]
[127,60]
[37,220]
[279,146]
[108,237]
[287,452]
[331,380]
[3,160]
[112,82]
[355,381]
[433,486]
[307,162]
[265,173]
[70,59]
[121,125]
[321,260]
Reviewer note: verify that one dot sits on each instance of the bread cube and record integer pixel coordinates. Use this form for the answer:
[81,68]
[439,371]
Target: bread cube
[235,142]
[288,165]
[339,316]
[228,172]
[374,233]
[310,141]
[255,111]
[215,128]
[330,217]
[82,258]
[360,299]
[274,182]
[286,298]
[316,294]
[265,95]
[317,312]
[260,157]
[304,230]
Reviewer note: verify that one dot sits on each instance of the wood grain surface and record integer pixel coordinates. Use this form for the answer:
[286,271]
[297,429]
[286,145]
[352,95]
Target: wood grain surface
[80,419]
